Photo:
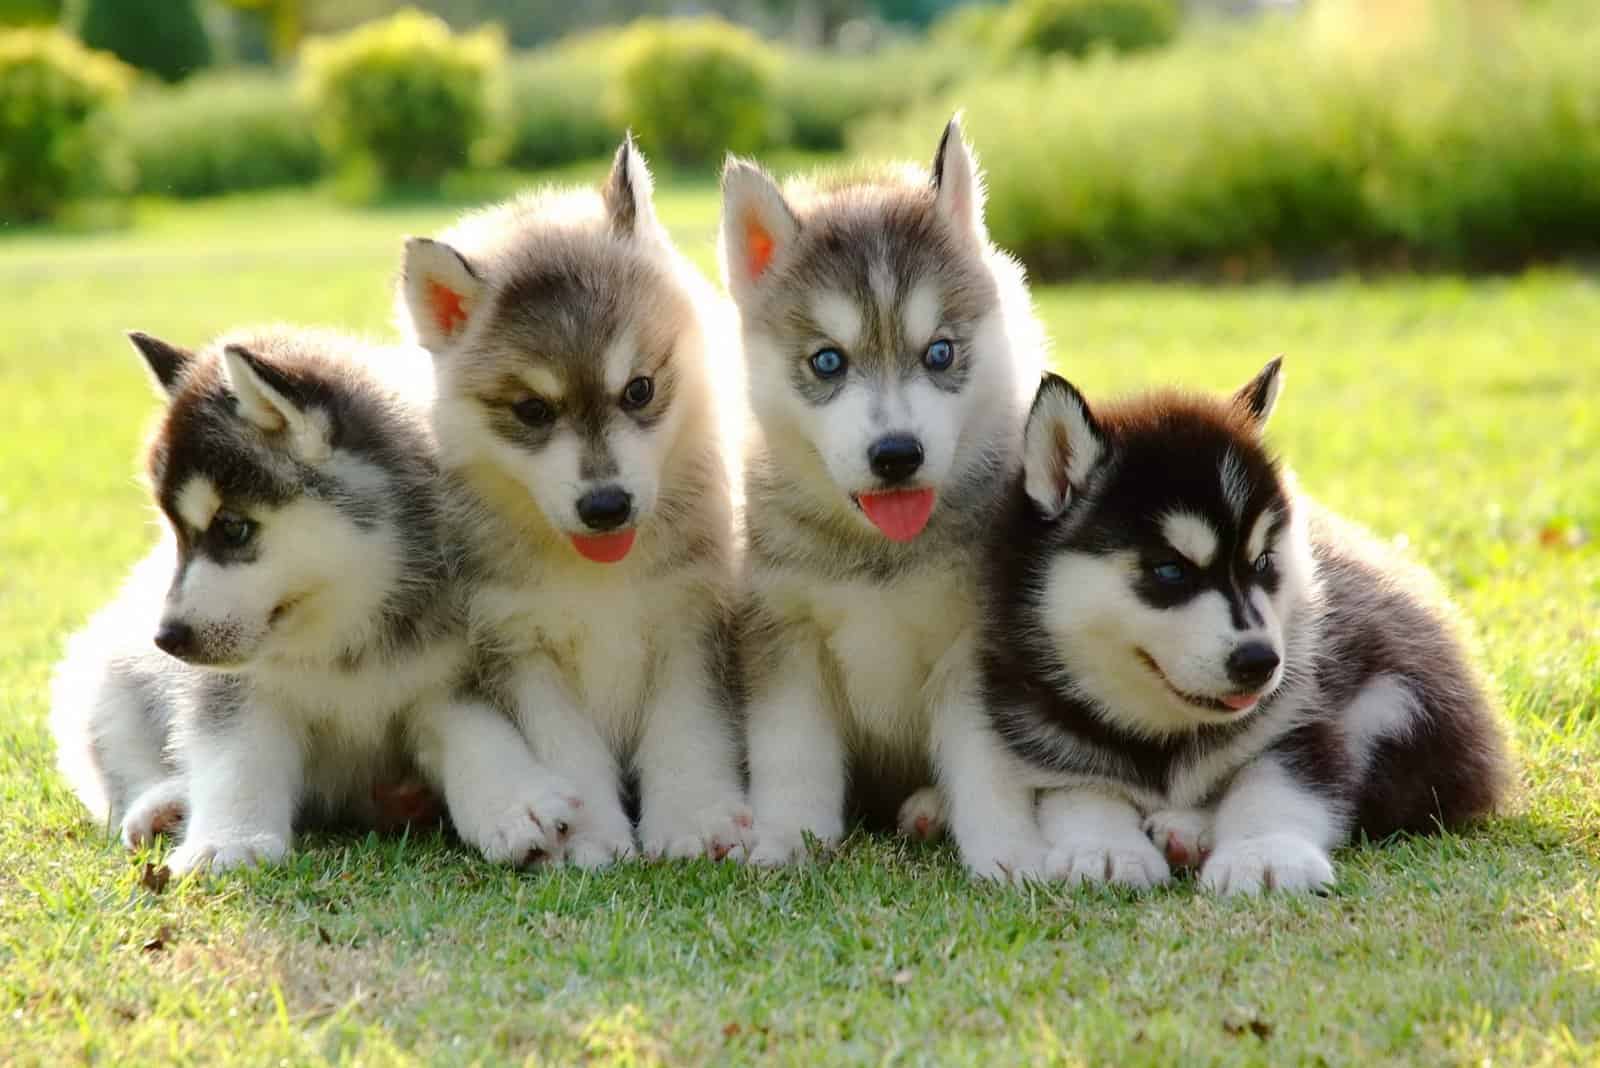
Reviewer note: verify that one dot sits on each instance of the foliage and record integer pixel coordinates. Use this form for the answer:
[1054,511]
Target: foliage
[1077,27]
[406,96]
[558,107]
[29,12]
[220,134]
[166,37]
[1271,148]
[693,89]
[818,95]
[52,90]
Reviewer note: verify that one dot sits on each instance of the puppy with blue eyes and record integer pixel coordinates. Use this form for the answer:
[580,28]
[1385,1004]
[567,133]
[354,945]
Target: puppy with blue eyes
[891,352]
[581,416]
[1196,666]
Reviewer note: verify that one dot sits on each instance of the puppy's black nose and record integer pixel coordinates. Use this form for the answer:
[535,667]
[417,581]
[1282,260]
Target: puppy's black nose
[606,508]
[896,457]
[1252,664]
[175,639]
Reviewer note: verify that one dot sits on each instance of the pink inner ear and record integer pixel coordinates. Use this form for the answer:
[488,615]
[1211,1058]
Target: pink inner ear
[447,307]
[758,246]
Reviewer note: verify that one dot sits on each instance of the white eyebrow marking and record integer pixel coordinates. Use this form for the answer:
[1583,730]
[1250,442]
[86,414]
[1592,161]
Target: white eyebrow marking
[1257,542]
[618,360]
[838,317]
[1235,483]
[198,501]
[1191,536]
[543,382]
[921,313]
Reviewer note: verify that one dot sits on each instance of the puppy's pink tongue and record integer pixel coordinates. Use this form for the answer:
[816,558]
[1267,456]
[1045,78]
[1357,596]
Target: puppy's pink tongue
[1241,701]
[604,548]
[900,514]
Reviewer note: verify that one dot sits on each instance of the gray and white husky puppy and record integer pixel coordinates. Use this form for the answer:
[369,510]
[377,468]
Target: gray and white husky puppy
[1200,666]
[891,352]
[294,649]
[576,354]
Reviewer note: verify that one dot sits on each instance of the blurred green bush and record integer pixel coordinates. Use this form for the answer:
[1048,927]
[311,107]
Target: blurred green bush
[165,37]
[406,97]
[217,134]
[1077,27]
[52,92]
[1276,148]
[819,95]
[559,111]
[693,89]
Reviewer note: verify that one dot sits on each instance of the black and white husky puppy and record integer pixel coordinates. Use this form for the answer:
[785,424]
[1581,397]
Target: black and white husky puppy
[295,648]
[1198,665]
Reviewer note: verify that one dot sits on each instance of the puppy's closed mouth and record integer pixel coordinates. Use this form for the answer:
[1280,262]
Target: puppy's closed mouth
[283,608]
[1230,704]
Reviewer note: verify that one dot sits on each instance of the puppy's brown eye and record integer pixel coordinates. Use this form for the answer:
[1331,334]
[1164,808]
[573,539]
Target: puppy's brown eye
[233,531]
[533,411]
[637,393]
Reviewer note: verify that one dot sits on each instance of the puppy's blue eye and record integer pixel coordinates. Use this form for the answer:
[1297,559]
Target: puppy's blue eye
[940,355]
[1263,563]
[1171,572]
[827,363]
[234,531]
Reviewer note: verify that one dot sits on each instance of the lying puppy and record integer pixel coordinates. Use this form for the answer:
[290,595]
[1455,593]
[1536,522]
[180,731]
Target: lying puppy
[307,660]
[1177,643]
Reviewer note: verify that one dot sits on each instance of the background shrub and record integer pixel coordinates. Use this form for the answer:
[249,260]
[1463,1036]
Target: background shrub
[1076,27]
[215,135]
[51,91]
[692,89]
[819,95]
[406,96]
[558,105]
[1270,149]
[165,37]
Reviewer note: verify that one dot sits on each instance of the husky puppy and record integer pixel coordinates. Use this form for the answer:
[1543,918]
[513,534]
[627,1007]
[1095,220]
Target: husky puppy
[577,411]
[891,353]
[294,650]
[1179,646]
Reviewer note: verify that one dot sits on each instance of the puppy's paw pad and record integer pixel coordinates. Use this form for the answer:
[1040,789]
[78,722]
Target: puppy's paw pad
[149,818]
[922,815]
[1269,862]
[1135,863]
[1182,834]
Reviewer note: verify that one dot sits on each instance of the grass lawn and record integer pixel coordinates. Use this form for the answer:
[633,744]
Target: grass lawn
[1462,417]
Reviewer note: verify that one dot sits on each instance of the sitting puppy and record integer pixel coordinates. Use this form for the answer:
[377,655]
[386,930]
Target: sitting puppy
[1177,643]
[580,417]
[294,650]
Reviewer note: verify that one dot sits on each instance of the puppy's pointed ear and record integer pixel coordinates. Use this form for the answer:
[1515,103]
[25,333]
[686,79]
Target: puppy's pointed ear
[442,292]
[1061,446]
[271,400]
[1260,395]
[957,185]
[757,226]
[629,193]
[168,363]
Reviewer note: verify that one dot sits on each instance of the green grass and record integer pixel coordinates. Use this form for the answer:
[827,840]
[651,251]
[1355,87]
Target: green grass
[1463,417]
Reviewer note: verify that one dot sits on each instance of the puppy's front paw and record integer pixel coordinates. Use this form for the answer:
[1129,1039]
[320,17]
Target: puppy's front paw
[593,849]
[923,815]
[1267,862]
[778,846]
[221,853]
[1182,834]
[1122,860]
[721,831]
[159,810]
[1005,861]
[523,831]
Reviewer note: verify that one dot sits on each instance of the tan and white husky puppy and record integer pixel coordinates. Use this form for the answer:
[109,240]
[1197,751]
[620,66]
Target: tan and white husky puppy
[577,411]
[891,353]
